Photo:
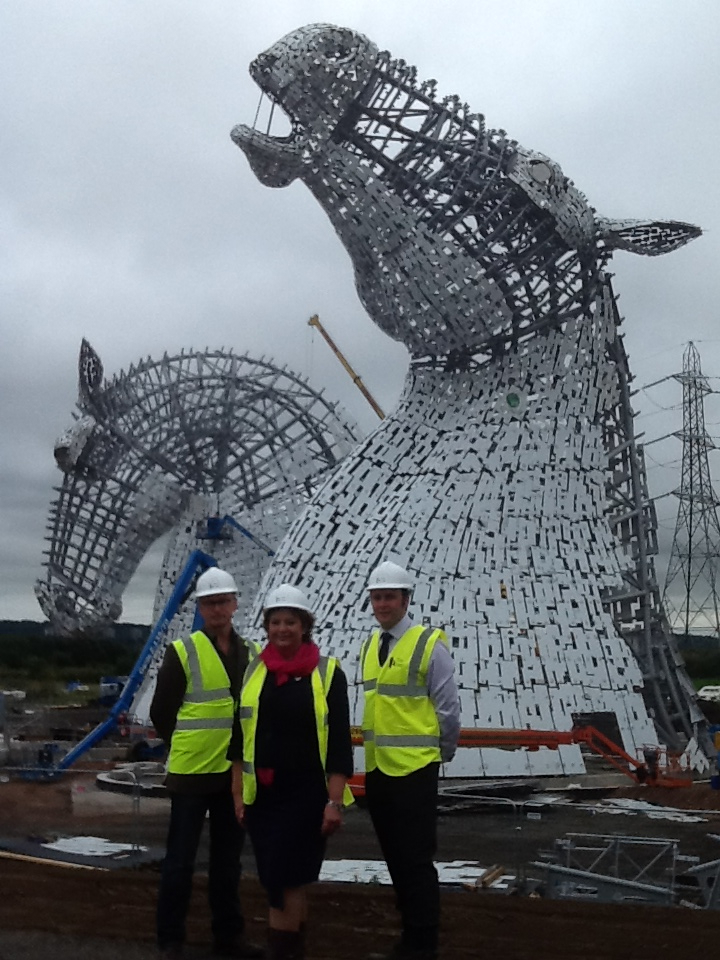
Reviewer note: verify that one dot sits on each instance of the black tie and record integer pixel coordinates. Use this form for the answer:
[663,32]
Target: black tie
[385,639]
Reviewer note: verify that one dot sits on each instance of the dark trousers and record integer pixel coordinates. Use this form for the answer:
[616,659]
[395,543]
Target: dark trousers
[404,815]
[187,816]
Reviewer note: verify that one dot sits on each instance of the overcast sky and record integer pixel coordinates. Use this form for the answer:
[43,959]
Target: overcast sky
[130,218]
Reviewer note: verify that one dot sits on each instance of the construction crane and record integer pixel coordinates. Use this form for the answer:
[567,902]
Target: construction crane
[196,564]
[314,321]
[658,768]
[214,528]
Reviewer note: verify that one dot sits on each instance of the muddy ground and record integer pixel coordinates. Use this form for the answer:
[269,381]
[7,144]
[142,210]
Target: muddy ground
[68,912]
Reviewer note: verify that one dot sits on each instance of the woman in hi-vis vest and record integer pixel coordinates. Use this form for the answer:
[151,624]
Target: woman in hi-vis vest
[290,773]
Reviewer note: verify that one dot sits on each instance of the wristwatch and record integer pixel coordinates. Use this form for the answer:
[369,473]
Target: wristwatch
[333,803]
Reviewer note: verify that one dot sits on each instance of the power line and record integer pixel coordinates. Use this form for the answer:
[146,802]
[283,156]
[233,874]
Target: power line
[675,406]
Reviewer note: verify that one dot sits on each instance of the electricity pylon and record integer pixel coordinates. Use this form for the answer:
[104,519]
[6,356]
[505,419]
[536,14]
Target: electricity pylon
[690,596]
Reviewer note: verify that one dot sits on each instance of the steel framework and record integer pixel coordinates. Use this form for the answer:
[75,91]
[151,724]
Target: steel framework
[508,478]
[690,594]
[636,605]
[163,448]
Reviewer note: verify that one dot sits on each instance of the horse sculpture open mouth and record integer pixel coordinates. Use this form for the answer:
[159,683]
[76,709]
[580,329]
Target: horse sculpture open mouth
[333,60]
[276,161]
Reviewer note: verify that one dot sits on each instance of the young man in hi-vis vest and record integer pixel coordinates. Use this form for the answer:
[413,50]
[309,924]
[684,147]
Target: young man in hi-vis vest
[193,710]
[411,725]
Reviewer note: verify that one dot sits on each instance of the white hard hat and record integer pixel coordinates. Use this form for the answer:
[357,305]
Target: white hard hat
[286,595]
[390,576]
[214,581]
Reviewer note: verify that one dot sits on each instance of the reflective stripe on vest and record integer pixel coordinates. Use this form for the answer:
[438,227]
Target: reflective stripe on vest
[201,737]
[401,732]
[255,675]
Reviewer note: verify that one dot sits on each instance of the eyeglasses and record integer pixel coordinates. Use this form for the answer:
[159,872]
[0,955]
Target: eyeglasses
[219,602]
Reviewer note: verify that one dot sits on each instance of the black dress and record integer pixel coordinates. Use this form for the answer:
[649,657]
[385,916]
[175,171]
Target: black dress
[286,818]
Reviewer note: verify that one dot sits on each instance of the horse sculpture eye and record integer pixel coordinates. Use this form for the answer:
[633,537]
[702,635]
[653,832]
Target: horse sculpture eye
[540,171]
[338,54]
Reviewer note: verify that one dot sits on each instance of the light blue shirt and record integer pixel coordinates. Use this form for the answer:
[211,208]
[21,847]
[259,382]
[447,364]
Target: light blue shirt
[442,689]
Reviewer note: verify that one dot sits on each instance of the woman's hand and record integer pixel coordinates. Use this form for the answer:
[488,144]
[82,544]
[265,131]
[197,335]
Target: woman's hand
[332,818]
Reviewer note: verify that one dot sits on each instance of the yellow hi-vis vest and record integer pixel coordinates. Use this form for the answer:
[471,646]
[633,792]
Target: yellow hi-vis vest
[401,732]
[320,680]
[201,737]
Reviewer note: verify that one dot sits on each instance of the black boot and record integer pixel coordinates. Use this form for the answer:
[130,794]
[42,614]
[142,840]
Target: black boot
[302,931]
[285,944]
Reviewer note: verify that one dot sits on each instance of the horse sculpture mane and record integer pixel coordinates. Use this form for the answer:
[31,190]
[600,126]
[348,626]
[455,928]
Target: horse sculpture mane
[508,477]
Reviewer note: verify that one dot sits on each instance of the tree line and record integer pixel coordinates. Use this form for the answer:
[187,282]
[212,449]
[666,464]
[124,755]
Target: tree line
[83,658]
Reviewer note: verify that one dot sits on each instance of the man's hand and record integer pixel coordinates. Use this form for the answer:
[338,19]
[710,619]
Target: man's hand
[239,809]
[332,818]
[237,792]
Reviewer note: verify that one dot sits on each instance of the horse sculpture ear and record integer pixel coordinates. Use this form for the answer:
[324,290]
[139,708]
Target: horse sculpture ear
[90,372]
[647,237]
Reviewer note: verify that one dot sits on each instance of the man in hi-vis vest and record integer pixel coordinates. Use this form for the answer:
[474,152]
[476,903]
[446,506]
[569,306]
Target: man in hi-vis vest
[411,724]
[192,710]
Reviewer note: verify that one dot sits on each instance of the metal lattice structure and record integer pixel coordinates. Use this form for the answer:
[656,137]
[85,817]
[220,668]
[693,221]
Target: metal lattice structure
[162,448]
[635,604]
[507,478]
[691,583]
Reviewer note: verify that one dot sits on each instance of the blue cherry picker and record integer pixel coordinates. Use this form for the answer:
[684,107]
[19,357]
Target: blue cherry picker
[197,563]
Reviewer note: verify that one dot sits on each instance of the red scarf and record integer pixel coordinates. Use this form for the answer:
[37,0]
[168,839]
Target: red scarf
[301,664]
